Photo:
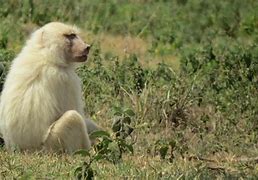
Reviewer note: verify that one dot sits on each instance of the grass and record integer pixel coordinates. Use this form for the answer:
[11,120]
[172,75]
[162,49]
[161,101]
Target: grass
[139,166]
[187,69]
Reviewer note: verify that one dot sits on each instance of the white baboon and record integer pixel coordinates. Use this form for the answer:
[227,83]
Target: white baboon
[41,103]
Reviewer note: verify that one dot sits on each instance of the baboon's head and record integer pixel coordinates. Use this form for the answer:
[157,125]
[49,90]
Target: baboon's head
[61,42]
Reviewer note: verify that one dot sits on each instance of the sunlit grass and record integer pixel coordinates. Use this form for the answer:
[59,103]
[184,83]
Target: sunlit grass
[208,110]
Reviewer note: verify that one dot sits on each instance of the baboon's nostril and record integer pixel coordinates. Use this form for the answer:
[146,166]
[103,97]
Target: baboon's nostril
[88,47]
[86,50]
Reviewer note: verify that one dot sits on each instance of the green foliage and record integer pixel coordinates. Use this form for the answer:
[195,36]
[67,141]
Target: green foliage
[227,76]
[108,148]
[110,77]
[84,172]
[207,106]
[5,58]
[121,125]
[163,148]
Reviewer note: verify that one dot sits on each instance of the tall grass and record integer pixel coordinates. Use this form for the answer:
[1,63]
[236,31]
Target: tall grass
[201,117]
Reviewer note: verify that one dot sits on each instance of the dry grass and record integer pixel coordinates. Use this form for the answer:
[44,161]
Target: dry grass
[123,46]
[147,166]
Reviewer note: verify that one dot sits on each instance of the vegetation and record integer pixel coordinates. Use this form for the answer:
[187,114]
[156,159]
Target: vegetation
[173,82]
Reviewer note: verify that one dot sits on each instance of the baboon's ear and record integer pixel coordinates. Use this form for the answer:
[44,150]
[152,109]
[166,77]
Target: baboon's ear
[38,38]
[41,38]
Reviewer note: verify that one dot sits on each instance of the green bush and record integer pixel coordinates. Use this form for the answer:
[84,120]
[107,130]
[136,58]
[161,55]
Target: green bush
[5,58]
[208,105]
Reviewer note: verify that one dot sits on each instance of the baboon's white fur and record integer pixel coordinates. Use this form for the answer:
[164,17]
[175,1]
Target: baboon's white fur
[41,104]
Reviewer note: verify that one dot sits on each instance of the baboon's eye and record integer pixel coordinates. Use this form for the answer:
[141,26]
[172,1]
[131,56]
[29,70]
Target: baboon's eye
[70,36]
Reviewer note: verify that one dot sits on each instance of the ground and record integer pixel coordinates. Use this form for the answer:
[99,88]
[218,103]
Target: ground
[183,72]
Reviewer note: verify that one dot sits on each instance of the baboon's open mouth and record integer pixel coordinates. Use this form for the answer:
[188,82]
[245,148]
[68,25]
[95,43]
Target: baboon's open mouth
[82,58]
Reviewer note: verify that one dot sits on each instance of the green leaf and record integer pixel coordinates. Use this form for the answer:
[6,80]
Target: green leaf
[128,129]
[117,114]
[163,151]
[129,147]
[129,112]
[89,174]
[116,126]
[127,120]
[77,170]
[125,146]
[117,109]
[98,134]
[82,152]
[84,172]
[99,157]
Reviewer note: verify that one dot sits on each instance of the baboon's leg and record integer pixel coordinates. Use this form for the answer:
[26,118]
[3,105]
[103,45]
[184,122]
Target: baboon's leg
[67,134]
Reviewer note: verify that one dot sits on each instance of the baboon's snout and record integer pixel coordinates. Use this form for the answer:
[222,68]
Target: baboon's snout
[86,49]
